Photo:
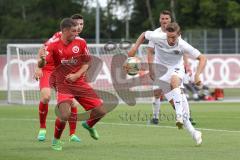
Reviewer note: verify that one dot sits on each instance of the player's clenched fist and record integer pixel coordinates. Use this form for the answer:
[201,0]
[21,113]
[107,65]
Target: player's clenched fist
[42,56]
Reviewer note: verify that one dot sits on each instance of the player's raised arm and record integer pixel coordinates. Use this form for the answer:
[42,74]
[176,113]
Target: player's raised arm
[139,41]
[150,58]
[201,65]
[195,53]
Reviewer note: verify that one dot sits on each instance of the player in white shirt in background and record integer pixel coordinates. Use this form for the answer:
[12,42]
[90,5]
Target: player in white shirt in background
[169,50]
[164,19]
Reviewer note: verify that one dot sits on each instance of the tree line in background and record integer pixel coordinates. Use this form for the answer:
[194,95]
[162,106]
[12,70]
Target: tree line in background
[39,19]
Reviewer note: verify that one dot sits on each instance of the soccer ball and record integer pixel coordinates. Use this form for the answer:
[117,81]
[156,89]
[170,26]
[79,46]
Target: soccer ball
[132,65]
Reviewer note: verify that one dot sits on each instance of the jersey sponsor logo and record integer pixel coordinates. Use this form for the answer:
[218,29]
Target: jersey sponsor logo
[176,52]
[71,61]
[176,70]
[75,49]
[159,45]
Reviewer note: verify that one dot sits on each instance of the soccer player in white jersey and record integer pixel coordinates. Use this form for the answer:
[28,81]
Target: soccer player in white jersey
[169,50]
[164,19]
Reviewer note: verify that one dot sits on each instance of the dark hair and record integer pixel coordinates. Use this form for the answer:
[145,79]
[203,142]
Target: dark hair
[67,23]
[173,27]
[77,16]
[166,12]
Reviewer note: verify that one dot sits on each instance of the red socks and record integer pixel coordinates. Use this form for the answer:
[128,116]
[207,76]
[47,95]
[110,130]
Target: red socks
[73,120]
[43,111]
[59,127]
[91,122]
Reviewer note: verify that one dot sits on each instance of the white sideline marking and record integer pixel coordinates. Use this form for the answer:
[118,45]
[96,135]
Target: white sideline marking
[124,124]
[171,127]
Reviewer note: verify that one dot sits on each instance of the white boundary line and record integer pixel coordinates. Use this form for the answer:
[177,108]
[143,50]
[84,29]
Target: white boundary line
[127,124]
[171,127]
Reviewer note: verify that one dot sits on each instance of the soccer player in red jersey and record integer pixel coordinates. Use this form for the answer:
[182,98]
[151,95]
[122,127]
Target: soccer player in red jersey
[71,59]
[43,75]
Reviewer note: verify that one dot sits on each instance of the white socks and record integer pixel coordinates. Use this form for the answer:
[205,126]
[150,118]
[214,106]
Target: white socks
[185,105]
[186,115]
[177,100]
[188,125]
[156,107]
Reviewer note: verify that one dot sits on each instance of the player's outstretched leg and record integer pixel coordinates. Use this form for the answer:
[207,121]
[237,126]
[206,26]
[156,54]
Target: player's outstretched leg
[197,135]
[187,109]
[95,115]
[92,131]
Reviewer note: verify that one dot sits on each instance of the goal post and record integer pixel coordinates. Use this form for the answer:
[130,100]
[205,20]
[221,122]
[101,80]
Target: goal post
[21,61]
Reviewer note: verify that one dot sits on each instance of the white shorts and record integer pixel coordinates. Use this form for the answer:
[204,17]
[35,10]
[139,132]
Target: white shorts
[177,70]
[164,74]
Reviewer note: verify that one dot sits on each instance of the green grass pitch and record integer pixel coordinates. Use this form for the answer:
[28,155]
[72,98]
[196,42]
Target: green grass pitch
[125,134]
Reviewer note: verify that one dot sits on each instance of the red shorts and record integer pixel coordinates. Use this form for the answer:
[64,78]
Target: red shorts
[44,80]
[86,97]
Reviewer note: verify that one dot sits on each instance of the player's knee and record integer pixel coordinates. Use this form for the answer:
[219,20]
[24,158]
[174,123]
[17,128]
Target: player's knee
[65,116]
[45,98]
[65,111]
[174,85]
[102,111]
[157,93]
[174,82]
[75,103]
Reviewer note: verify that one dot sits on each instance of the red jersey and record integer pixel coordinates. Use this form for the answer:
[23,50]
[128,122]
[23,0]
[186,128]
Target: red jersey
[50,64]
[69,58]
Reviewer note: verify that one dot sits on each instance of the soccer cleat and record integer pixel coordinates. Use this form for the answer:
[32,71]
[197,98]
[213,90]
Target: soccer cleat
[56,144]
[42,135]
[197,136]
[92,131]
[74,138]
[192,121]
[179,123]
[154,121]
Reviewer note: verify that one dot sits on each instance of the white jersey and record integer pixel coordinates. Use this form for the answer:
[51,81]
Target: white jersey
[167,55]
[158,30]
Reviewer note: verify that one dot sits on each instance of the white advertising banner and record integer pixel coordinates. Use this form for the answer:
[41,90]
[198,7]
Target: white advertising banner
[221,71]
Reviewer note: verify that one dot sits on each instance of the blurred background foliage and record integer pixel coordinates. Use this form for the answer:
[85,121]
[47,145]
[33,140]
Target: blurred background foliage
[35,19]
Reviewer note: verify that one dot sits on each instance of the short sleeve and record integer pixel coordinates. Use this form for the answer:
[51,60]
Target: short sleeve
[150,44]
[85,54]
[155,37]
[190,50]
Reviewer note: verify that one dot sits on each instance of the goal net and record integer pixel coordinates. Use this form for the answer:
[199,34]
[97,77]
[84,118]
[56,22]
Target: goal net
[24,89]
